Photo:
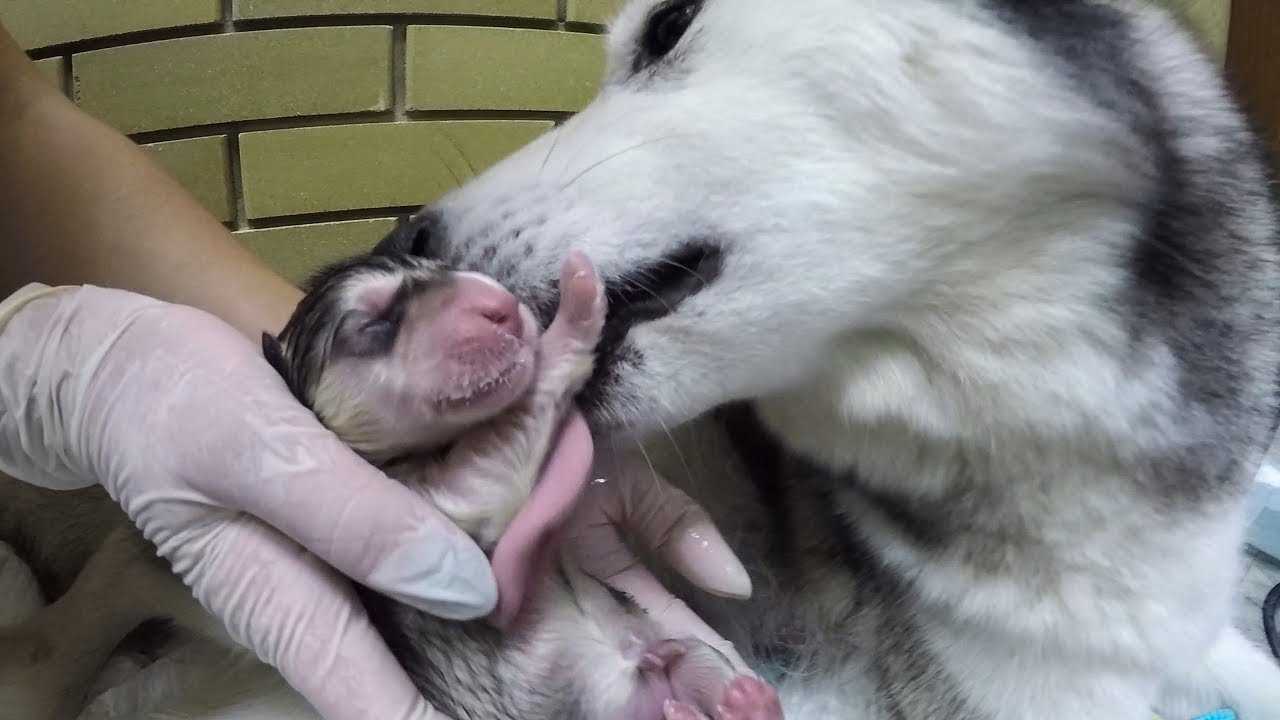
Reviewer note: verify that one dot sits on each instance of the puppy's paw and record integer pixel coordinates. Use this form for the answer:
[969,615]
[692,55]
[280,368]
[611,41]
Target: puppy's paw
[580,317]
[674,710]
[746,698]
[581,293]
[750,699]
[567,349]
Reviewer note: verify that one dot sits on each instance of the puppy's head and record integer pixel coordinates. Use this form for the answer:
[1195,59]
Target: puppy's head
[756,183]
[398,354]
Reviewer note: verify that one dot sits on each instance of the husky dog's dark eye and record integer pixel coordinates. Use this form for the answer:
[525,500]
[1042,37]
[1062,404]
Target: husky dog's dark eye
[667,26]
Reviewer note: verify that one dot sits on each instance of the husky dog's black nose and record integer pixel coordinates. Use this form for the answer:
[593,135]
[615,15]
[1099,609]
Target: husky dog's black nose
[419,234]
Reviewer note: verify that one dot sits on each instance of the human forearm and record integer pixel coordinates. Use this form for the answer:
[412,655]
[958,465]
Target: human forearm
[82,204]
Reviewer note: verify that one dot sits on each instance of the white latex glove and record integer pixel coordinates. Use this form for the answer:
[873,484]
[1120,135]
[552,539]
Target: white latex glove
[624,495]
[198,439]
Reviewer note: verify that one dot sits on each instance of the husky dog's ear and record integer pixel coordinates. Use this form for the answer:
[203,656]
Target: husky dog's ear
[273,351]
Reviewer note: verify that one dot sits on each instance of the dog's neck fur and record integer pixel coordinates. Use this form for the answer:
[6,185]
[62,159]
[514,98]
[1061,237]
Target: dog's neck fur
[924,423]
[922,429]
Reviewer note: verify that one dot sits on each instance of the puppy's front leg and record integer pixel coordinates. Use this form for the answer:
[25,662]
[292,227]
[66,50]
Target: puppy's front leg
[49,660]
[490,472]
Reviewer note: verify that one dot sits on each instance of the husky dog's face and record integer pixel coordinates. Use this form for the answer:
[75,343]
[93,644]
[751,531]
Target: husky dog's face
[750,184]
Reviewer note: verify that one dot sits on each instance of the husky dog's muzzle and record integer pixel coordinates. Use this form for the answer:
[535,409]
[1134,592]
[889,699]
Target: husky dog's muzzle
[648,292]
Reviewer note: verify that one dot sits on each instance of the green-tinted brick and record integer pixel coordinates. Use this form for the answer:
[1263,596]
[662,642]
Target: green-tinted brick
[40,23]
[1209,19]
[53,69]
[246,9]
[479,68]
[600,12]
[298,251]
[345,167]
[201,166]
[240,76]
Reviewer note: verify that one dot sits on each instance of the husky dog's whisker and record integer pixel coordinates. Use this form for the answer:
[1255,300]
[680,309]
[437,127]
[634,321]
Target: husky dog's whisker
[600,163]
[461,155]
[686,268]
[653,471]
[675,446]
[555,142]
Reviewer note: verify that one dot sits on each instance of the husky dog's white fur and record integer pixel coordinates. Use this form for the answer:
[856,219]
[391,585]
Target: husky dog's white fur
[963,316]
[997,278]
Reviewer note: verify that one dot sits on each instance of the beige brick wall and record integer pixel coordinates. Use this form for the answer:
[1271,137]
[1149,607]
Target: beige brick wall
[307,125]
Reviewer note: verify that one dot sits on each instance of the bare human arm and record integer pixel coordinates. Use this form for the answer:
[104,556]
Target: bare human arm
[82,204]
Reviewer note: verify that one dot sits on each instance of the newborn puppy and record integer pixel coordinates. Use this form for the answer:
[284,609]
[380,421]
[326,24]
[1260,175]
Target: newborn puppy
[441,378]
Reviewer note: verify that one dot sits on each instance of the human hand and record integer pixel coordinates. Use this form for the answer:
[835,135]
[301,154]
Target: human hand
[195,436]
[625,495]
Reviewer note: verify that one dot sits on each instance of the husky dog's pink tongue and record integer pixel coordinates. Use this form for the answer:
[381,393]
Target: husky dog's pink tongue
[524,550]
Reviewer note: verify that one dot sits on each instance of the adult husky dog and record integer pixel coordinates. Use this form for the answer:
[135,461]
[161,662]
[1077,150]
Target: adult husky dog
[996,279]
[965,311]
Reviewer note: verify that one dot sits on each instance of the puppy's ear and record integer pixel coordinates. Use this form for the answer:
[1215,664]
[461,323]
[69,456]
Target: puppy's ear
[273,351]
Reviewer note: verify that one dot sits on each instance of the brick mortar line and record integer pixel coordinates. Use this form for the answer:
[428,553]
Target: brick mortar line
[235,174]
[139,37]
[220,26]
[462,20]
[373,118]
[228,16]
[495,114]
[276,222]
[67,77]
[399,71]
[193,132]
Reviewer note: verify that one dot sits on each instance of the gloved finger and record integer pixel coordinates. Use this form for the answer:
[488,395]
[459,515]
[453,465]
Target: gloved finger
[299,617]
[600,552]
[669,522]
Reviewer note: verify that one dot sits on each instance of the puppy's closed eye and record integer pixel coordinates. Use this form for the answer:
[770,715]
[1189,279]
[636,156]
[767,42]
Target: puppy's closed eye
[366,334]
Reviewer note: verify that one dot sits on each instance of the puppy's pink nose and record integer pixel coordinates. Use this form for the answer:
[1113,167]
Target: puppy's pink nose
[497,306]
